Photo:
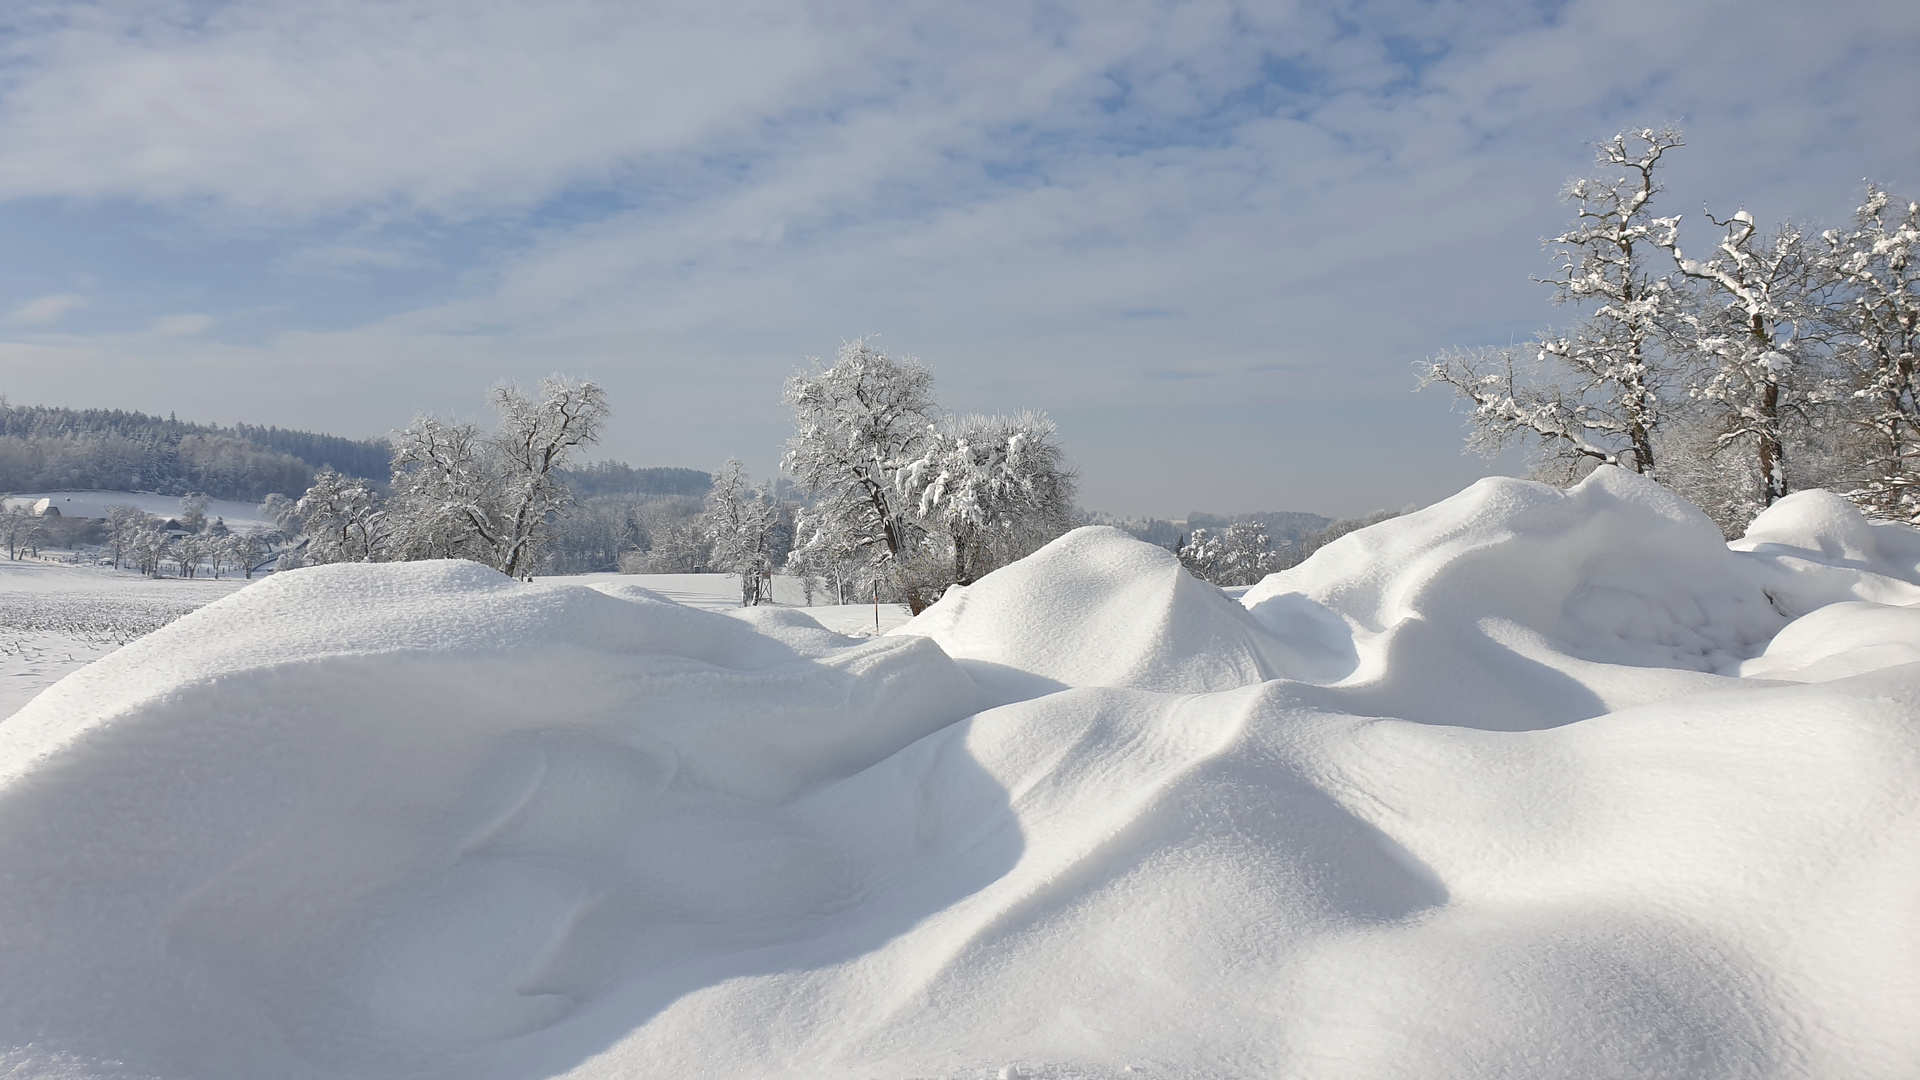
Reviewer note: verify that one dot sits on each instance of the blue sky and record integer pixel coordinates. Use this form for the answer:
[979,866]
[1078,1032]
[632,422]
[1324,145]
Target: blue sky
[1211,239]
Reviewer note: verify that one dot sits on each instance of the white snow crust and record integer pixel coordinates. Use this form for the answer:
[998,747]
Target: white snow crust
[1531,783]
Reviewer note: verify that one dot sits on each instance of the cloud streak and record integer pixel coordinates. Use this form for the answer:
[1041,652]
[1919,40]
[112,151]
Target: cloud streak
[44,310]
[686,200]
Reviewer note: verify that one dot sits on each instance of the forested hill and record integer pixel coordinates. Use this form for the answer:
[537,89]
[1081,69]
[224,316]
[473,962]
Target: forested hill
[370,458]
[45,448]
[617,478]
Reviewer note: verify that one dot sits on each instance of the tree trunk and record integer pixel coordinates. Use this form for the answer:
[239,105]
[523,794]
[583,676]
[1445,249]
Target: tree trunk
[1772,454]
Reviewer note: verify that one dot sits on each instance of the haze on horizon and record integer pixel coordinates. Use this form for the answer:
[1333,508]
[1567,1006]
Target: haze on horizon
[1210,239]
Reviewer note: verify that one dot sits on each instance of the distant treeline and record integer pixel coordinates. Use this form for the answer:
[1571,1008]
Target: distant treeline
[44,448]
[369,459]
[1282,527]
[617,478]
[54,449]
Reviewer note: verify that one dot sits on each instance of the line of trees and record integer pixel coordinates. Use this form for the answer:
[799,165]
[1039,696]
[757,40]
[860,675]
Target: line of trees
[43,448]
[1769,361]
[458,491]
[190,542]
[900,499]
[1242,552]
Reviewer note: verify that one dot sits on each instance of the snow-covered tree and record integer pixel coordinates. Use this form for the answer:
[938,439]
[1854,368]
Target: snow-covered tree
[141,540]
[193,512]
[1201,553]
[344,518]
[443,492]
[1756,294]
[16,527]
[857,424]
[825,549]
[990,490]
[738,523]
[675,543]
[460,492]
[1593,394]
[595,533]
[246,550]
[537,438]
[1875,316]
[188,551]
[121,524]
[1241,554]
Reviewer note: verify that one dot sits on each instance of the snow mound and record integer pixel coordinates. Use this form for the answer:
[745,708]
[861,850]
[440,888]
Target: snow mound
[1530,783]
[1099,608]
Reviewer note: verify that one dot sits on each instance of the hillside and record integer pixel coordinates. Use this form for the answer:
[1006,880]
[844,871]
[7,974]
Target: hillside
[58,449]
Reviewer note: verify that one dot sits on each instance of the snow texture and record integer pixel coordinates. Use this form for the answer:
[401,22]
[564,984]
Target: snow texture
[1528,784]
[57,617]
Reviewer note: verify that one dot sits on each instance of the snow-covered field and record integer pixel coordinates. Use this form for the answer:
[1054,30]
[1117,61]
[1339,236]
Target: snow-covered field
[95,504]
[1526,784]
[56,617]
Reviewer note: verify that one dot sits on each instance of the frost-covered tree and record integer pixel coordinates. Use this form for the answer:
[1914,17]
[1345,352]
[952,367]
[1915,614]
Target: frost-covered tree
[142,541]
[121,524]
[1241,554]
[1593,394]
[538,438]
[193,512]
[991,489]
[188,551]
[596,534]
[442,491]
[246,551]
[857,424]
[826,550]
[1875,318]
[674,541]
[1757,296]
[344,518]
[907,503]
[493,496]
[1201,552]
[16,527]
[738,522]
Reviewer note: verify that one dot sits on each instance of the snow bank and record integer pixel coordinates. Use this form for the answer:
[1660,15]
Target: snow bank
[1098,608]
[1531,783]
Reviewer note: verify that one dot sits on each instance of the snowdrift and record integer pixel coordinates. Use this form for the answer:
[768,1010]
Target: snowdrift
[1531,783]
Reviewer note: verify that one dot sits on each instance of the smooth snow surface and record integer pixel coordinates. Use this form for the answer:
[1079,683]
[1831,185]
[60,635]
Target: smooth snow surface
[1528,784]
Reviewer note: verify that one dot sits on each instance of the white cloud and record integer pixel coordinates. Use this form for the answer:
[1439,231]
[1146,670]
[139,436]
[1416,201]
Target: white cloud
[46,310]
[183,325]
[339,260]
[992,185]
[302,107]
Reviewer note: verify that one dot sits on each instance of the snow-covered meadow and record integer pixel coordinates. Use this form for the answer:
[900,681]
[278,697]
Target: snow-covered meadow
[1530,783]
[95,504]
[56,617]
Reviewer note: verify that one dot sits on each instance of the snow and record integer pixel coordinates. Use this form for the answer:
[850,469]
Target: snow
[721,592]
[55,618]
[1530,783]
[94,504]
